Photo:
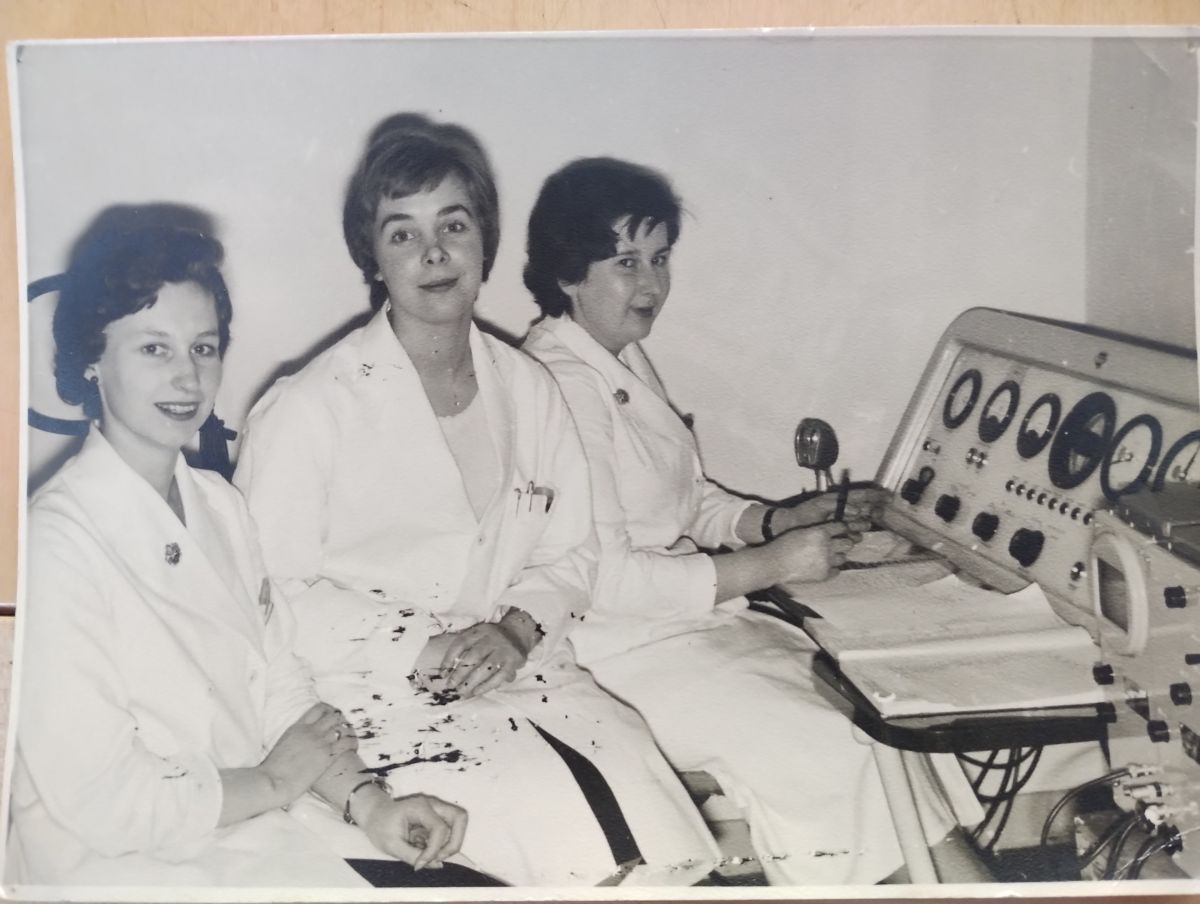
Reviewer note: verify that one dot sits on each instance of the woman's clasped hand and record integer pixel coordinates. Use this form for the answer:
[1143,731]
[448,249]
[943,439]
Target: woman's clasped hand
[305,750]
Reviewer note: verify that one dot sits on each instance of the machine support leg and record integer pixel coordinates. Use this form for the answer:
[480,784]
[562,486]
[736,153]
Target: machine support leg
[905,818]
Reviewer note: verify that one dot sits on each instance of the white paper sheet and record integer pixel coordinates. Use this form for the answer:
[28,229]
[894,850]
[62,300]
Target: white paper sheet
[948,646]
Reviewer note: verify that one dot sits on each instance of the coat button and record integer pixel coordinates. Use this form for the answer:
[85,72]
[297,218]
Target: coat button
[171,553]
[621,396]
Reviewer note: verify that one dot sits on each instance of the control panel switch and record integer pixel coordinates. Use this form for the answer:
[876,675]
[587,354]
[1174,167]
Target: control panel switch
[1026,545]
[1181,693]
[1158,730]
[1175,597]
[985,524]
[947,507]
[1103,673]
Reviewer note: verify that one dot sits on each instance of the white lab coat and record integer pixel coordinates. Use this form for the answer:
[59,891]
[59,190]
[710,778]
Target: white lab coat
[366,523]
[724,689]
[149,662]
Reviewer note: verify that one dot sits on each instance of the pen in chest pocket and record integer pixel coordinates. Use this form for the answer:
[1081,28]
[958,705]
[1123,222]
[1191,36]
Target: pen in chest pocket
[546,494]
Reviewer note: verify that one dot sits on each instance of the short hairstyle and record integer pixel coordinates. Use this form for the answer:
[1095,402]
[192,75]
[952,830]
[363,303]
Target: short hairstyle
[118,274]
[573,219]
[405,154]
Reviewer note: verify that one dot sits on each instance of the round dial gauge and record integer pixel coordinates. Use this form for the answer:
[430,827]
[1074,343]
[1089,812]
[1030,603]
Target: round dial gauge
[999,410]
[1181,464]
[1081,441]
[1038,425]
[960,402]
[1131,456]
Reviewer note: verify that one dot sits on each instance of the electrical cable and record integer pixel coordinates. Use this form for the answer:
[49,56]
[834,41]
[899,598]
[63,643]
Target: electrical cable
[1001,801]
[1114,829]
[1114,856]
[1008,807]
[1148,849]
[1073,793]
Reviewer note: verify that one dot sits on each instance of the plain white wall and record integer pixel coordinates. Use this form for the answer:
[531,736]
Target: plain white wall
[847,196]
[1142,189]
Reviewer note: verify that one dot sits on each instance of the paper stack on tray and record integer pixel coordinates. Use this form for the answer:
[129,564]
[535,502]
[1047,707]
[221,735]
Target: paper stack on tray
[948,646]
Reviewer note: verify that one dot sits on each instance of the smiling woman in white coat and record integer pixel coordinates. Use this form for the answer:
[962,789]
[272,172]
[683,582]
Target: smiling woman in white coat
[164,724]
[423,499]
[724,689]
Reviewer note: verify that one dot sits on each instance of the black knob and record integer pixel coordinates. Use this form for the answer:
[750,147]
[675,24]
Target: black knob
[1078,570]
[1075,514]
[1191,658]
[1026,545]
[1041,498]
[1158,731]
[1175,597]
[912,491]
[947,506]
[1181,693]
[985,524]
[1008,485]
[1102,674]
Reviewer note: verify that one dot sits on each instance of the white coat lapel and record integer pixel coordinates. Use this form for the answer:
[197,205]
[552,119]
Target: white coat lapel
[407,422]
[497,404]
[158,551]
[634,384]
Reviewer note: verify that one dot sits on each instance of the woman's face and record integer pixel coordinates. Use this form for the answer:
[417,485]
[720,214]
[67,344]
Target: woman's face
[160,371]
[620,297]
[430,254]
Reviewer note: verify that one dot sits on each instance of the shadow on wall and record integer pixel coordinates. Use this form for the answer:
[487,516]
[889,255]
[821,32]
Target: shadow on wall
[112,221]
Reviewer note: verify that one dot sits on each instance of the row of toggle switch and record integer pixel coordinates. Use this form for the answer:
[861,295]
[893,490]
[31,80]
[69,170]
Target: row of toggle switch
[1049,500]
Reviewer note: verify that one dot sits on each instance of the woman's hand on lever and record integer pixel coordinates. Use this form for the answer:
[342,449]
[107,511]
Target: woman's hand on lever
[810,554]
[418,829]
[487,655]
[862,504]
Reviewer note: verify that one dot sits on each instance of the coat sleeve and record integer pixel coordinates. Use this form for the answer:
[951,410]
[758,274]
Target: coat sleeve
[630,580]
[716,522]
[289,691]
[283,470]
[77,733]
[555,586]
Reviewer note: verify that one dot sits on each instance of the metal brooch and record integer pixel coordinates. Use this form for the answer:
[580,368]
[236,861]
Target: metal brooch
[171,553]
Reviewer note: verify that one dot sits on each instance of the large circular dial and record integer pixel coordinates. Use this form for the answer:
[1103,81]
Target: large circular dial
[999,410]
[1082,440]
[1131,456]
[1180,464]
[1038,425]
[960,402]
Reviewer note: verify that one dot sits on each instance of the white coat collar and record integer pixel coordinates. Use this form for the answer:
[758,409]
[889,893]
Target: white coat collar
[139,529]
[630,376]
[381,347]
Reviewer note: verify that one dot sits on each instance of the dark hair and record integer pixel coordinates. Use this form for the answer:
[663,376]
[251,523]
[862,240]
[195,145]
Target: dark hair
[572,222]
[119,274]
[405,154]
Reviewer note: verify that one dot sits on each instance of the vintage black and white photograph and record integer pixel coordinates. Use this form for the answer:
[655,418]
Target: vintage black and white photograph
[697,464]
